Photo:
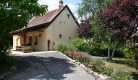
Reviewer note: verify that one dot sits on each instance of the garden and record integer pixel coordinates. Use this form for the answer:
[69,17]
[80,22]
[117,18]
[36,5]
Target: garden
[119,68]
[108,34]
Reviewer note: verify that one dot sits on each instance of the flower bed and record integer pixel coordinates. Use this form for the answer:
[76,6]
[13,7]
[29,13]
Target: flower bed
[95,66]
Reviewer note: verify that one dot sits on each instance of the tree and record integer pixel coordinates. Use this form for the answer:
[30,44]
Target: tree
[89,27]
[88,7]
[120,20]
[84,29]
[13,16]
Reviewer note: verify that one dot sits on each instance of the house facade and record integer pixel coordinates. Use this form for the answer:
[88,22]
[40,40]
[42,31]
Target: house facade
[44,32]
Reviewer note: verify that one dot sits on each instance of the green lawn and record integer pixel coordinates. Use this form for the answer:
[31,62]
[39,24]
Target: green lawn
[122,66]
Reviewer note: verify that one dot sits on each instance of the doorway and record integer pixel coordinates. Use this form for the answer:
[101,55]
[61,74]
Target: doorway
[30,40]
[48,45]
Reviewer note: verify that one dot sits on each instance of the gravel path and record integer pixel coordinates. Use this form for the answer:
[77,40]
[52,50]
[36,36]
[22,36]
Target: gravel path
[50,66]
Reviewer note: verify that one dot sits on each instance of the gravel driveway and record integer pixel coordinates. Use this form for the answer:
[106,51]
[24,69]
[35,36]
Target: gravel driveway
[49,66]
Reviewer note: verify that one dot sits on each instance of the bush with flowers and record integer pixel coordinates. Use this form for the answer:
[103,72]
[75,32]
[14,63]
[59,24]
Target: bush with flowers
[97,66]
[77,56]
[101,68]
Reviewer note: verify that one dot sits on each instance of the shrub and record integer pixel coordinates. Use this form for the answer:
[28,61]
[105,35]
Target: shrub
[66,53]
[128,52]
[72,48]
[95,48]
[27,48]
[122,76]
[77,56]
[80,44]
[100,67]
[61,47]
[132,55]
[85,59]
[77,42]
[98,62]
[97,66]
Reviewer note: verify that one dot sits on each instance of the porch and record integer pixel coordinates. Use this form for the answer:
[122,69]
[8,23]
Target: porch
[35,37]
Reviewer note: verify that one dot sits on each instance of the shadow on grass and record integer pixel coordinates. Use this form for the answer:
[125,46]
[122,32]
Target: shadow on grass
[127,63]
[135,75]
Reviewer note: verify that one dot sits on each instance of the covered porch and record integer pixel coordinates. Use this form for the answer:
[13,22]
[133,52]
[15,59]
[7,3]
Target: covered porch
[31,36]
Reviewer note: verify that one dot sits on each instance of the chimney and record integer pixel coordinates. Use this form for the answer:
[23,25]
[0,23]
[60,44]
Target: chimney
[60,4]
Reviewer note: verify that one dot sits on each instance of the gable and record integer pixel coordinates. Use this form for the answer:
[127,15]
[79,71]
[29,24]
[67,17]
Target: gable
[66,7]
[62,25]
[49,17]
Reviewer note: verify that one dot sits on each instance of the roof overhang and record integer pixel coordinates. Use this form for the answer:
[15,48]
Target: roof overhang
[29,29]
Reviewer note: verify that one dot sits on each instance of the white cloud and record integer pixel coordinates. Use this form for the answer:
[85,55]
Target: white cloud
[83,17]
[77,17]
[72,7]
[54,4]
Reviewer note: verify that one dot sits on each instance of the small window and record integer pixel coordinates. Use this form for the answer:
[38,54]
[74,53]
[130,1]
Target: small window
[35,40]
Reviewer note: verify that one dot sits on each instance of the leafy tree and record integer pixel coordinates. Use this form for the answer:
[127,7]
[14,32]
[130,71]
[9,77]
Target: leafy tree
[89,6]
[84,28]
[89,27]
[119,21]
[13,15]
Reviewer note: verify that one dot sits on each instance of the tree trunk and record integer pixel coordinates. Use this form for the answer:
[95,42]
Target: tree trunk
[114,50]
[109,42]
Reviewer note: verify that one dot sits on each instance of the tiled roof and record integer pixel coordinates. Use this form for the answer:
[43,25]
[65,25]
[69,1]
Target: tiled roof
[43,19]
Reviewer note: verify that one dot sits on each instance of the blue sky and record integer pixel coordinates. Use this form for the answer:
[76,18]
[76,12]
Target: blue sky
[53,4]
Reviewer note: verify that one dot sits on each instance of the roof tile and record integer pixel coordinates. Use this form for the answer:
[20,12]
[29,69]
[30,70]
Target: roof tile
[43,19]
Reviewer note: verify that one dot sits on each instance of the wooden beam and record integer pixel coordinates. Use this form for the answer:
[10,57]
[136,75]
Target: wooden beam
[19,33]
[24,38]
[39,30]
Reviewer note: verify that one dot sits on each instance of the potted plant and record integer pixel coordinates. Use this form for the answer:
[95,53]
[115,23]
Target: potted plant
[27,49]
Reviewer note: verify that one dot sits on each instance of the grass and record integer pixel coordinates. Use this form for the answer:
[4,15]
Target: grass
[13,54]
[122,66]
